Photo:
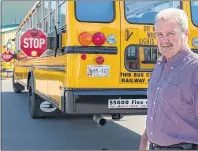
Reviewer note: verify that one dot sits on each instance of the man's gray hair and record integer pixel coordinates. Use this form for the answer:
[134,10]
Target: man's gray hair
[173,13]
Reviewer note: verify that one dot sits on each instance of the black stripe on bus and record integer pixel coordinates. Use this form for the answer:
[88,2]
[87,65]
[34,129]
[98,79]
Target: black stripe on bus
[91,50]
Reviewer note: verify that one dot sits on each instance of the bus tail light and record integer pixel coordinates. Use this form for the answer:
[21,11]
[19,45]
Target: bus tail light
[85,38]
[100,60]
[83,56]
[98,39]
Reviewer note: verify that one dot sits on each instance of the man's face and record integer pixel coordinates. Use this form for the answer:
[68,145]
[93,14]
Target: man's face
[170,37]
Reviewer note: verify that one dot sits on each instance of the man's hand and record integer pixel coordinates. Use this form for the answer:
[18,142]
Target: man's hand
[143,142]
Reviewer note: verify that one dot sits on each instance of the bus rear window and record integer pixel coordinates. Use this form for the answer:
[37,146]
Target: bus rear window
[194,11]
[96,11]
[151,53]
[144,12]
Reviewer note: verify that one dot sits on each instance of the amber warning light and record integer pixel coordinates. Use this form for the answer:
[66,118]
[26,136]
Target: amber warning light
[85,39]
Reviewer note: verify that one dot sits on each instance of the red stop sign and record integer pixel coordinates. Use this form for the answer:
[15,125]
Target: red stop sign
[33,42]
[7,56]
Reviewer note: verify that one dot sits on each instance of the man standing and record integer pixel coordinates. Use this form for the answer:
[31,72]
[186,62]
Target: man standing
[172,117]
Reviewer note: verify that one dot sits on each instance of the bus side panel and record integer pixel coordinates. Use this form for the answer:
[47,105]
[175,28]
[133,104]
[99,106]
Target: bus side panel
[19,72]
[48,77]
[134,37]
[49,74]
[56,76]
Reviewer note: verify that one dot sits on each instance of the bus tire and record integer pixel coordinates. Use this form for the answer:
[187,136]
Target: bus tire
[38,104]
[34,102]
[16,86]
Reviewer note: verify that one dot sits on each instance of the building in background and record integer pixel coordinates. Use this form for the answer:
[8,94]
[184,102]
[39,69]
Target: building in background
[14,11]
[8,33]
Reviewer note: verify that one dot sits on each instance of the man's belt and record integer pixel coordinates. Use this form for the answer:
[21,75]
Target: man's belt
[182,146]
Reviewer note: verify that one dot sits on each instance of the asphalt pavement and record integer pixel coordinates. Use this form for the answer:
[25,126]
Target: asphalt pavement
[20,132]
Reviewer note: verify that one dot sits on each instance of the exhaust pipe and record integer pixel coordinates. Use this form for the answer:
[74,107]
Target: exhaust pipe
[99,120]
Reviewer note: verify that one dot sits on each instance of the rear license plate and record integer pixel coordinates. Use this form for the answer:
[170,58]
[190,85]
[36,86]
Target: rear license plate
[127,103]
[98,71]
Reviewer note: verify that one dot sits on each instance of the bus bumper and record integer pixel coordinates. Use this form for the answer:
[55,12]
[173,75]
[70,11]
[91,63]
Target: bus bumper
[96,102]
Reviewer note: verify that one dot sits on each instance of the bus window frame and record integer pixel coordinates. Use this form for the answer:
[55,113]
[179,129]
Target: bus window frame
[39,11]
[34,18]
[125,60]
[63,26]
[196,25]
[181,7]
[113,19]
[142,62]
[158,53]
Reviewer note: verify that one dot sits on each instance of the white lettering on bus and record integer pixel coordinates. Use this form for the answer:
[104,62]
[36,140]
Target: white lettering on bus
[33,43]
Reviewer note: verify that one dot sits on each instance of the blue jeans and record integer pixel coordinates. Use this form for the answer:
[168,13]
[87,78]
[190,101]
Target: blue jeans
[182,146]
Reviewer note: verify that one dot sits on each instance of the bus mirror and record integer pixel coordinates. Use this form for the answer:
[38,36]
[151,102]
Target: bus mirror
[56,41]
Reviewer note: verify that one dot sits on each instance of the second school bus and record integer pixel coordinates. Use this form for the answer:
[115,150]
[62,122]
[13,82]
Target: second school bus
[105,53]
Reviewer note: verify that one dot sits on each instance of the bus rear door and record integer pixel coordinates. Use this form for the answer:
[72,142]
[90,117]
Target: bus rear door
[191,8]
[138,42]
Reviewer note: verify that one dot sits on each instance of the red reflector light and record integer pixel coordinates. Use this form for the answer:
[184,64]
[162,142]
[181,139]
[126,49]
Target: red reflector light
[83,56]
[100,60]
[98,39]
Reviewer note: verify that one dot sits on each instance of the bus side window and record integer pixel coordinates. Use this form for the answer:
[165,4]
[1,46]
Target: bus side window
[148,17]
[131,58]
[131,53]
[61,14]
[39,16]
[151,53]
[46,17]
[61,21]
[52,15]
[46,24]
[194,10]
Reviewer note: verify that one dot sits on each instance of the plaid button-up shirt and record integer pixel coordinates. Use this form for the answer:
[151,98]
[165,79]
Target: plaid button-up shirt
[172,115]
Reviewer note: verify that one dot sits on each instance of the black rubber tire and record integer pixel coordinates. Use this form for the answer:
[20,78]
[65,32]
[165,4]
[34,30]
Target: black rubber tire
[34,103]
[18,88]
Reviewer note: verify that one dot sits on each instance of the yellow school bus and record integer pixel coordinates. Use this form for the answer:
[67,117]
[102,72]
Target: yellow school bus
[99,59]
[8,33]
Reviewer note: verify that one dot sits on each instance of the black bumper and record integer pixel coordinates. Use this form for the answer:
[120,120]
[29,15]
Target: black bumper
[96,101]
